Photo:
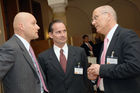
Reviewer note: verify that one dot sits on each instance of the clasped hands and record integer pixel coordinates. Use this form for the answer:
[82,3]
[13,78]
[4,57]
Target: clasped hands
[93,71]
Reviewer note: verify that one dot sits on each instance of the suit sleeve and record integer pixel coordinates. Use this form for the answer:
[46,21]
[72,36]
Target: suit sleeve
[7,59]
[84,62]
[41,62]
[129,57]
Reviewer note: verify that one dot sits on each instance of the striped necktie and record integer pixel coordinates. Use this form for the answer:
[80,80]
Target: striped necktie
[63,60]
[37,66]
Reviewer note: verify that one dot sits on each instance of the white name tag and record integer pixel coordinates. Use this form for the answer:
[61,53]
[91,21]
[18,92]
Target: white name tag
[112,61]
[92,60]
[78,71]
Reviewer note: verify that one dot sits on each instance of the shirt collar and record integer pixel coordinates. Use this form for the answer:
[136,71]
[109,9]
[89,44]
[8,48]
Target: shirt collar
[111,32]
[57,51]
[65,48]
[25,43]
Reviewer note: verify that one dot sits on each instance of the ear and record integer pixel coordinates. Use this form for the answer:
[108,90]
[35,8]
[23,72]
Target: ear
[21,26]
[50,35]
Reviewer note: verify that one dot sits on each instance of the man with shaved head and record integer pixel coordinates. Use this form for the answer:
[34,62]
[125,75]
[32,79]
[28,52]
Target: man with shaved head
[19,69]
[119,68]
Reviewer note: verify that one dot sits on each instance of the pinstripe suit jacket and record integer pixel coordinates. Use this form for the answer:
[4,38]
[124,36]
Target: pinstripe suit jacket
[57,80]
[123,77]
[16,68]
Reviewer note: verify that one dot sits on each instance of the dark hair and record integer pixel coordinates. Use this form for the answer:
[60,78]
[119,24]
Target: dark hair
[51,24]
[84,36]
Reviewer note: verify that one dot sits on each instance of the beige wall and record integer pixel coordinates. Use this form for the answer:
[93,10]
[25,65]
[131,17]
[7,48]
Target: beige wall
[128,14]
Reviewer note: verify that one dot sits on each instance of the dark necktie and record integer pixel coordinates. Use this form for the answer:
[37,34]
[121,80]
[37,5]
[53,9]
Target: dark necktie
[63,60]
[37,66]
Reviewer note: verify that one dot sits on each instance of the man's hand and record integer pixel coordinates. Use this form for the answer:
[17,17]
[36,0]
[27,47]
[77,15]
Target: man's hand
[93,71]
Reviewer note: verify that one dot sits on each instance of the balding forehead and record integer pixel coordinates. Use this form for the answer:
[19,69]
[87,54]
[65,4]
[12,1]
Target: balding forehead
[105,8]
[21,17]
[23,13]
[99,9]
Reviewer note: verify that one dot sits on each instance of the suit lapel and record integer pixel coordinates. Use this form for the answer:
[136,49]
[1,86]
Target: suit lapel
[113,42]
[27,57]
[54,61]
[87,47]
[70,60]
[25,52]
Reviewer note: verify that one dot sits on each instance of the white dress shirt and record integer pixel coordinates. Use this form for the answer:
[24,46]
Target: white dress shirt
[57,51]
[109,37]
[25,43]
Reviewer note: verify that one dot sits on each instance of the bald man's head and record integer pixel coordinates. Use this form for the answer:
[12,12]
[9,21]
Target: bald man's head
[20,19]
[25,25]
[104,18]
[107,9]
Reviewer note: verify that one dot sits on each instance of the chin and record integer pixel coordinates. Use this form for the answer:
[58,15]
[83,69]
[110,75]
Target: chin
[98,31]
[63,42]
[36,37]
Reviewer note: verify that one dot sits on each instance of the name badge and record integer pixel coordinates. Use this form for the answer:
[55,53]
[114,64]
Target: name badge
[78,71]
[112,60]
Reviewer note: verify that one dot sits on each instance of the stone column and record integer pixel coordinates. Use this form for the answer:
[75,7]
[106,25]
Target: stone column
[58,7]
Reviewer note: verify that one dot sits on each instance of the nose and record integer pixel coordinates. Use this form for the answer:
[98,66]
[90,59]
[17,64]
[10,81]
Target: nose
[38,27]
[63,33]
[93,22]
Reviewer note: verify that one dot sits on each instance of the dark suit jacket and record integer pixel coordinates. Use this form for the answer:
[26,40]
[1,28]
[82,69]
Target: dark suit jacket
[87,49]
[57,80]
[97,50]
[125,76]
[16,68]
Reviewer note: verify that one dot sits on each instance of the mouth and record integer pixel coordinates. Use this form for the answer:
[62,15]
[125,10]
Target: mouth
[96,26]
[63,39]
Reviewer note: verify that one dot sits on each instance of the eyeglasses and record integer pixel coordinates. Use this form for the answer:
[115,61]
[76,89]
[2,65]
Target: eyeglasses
[97,16]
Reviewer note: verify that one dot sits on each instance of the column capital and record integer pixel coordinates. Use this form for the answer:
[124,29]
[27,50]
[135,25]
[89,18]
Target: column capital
[58,5]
